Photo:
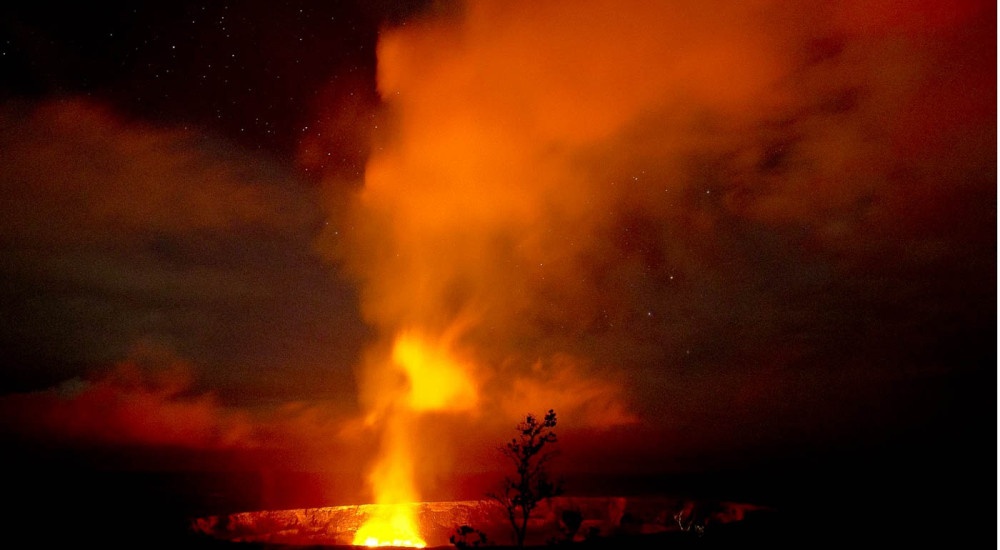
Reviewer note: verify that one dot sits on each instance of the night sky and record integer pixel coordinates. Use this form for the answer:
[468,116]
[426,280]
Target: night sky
[707,234]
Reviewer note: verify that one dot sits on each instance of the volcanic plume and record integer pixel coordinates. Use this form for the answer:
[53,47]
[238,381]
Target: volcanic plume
[564,199]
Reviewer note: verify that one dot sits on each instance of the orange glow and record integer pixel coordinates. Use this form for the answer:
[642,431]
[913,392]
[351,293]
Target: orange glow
[392,481]
[474,218]
[435,381]
[395,526]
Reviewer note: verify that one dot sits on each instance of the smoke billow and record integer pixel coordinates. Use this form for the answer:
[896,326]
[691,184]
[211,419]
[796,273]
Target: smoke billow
[601,203]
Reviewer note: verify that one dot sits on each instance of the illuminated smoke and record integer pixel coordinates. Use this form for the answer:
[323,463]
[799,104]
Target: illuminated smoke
[562,191]
[418,377]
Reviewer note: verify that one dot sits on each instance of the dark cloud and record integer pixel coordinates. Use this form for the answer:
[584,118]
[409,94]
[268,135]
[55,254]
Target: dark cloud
[118,232]
[76,172]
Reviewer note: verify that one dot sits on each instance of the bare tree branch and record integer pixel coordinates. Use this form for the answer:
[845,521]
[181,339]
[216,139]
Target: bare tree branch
[529,453]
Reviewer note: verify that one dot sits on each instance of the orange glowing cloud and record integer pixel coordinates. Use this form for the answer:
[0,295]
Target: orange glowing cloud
[582,397]
[436,380]
[133,404]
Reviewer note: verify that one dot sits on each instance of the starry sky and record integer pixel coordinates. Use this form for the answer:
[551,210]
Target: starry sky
[704,234]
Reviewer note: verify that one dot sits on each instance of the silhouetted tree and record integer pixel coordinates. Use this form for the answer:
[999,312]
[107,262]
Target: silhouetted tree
[530,453]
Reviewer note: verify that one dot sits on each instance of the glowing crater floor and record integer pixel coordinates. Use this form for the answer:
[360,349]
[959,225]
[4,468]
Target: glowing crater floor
[437,521]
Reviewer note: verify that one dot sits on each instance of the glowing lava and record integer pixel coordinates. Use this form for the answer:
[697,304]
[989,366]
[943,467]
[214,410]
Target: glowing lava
[434,380]
[395,527]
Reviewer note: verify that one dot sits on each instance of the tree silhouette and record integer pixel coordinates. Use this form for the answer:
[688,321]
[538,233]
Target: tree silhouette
[530,453]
